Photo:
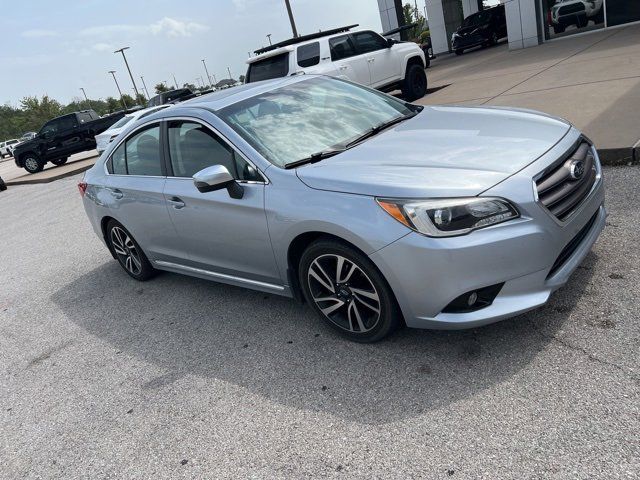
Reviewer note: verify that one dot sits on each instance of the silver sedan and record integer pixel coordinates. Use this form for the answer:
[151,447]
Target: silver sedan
[376,212]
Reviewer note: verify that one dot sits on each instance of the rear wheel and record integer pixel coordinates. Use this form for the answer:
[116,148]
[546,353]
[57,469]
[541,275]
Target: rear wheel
[32,164]
[59,161]
[558,28]
[414,85]
[128,252]
[459,51]
[348,292]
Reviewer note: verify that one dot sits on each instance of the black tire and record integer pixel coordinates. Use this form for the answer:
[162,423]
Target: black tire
[32,163]
[414,85]
[459,51]
[493,40]
[142,269]
[3,186]
[599,17]
[59,161]
[558,28]
[359,323]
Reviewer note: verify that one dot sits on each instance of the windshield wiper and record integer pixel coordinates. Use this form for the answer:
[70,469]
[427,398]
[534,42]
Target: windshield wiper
[315,157]
[378,128]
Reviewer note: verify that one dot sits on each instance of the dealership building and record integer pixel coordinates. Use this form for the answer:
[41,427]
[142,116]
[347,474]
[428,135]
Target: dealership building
[529,22]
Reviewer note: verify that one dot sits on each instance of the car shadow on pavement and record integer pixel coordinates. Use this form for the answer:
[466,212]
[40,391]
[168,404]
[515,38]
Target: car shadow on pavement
[278,349]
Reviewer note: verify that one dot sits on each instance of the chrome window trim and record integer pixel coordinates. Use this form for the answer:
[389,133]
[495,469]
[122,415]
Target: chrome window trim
[554,165]
[222,276]
[225,140]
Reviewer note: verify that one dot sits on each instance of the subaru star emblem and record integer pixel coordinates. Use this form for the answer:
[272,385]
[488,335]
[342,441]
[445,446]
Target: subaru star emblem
[576,169]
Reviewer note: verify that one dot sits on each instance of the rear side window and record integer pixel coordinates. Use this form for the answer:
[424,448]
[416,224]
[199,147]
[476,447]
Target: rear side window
[341,47]
[309,55]
[272,67]
[138,155]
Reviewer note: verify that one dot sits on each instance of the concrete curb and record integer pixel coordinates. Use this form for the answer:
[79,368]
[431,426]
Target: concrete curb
[51,178]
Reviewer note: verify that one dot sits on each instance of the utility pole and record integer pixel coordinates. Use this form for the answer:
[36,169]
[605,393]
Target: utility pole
[229,70]
[269,37]
[293,23]
[85,96]
[174,80]
[145,87]
[207,72]
[113,72]
[127,64]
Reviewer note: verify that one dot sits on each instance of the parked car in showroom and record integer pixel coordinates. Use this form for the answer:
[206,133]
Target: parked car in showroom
[103,139]
[484,28]
[575,12]
[6,147]
[362,56]
[376,211]
[61,137]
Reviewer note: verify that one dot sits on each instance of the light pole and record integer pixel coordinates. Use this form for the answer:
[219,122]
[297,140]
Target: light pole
[293,23]
[229,70]
[207,72]
[144,85]
[85,96]
[127,64]
[269,37]
[113,72]
[174,80]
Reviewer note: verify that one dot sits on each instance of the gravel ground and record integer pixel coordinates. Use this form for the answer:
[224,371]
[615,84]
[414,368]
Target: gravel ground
[104,377]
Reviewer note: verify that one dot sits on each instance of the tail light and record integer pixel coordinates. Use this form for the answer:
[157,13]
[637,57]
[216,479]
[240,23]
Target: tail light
[82,188]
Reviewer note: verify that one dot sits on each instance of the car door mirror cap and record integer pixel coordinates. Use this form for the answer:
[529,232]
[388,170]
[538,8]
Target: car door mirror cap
[391,42]
[215,178]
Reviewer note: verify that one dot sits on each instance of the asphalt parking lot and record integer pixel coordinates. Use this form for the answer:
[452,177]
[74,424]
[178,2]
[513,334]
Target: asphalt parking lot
[104,377]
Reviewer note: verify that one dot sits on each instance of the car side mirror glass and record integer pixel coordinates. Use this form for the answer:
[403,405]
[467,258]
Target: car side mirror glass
[215,178]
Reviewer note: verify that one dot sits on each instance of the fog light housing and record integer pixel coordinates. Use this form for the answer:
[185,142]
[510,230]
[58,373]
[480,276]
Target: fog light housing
[474,300]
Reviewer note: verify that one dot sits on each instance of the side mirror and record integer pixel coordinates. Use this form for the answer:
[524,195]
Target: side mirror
[391,42]
[217,177]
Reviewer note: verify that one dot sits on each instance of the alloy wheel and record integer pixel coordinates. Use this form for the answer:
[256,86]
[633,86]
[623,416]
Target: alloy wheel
[344,293]
[126,251]
[31,164]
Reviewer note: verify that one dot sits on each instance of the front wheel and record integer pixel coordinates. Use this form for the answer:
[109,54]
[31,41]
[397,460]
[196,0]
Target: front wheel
[348,292]
[414,85]
[558,29]
[459,51]
[59,161]
[129,254]
[33,164]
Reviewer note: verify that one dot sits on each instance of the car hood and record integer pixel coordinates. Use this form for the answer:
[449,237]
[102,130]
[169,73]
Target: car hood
[442,151]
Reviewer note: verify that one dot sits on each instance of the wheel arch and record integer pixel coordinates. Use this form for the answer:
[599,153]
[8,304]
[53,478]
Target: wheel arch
[412,59]
[19,158]
[103,227]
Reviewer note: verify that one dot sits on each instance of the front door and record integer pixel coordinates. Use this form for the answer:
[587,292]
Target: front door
[380,60]
[224,236]
[349,64]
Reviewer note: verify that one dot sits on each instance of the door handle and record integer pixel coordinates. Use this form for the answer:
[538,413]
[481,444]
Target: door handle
[115,193]
[176,203]
[343,67]
[370,60]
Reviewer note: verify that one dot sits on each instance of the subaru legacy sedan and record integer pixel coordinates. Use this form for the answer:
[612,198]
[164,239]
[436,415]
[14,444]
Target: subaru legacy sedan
[376,212]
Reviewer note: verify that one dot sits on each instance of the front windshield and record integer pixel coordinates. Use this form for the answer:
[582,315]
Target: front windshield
[121,123]
[480,18]
[293,122]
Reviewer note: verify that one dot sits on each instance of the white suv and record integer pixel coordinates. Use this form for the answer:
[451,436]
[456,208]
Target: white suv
[362,56]
[5,147]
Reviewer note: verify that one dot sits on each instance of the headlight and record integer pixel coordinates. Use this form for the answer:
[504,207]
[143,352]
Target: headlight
[453,37]
[451,216]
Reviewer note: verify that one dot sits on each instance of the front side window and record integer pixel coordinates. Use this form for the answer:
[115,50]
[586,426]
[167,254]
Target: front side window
[369,42]
[309,55]
[341,47]
[193,147]
[51,128]
[292,122]
[268,68]
[138,155]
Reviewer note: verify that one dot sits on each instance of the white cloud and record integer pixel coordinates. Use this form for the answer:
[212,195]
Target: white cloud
[169,27]
[102,47]
[39,33]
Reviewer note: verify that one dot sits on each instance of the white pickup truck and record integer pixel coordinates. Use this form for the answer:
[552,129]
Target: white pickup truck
[362,56]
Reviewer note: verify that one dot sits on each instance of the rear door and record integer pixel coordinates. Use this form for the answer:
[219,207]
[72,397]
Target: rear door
[349,64]
[382,66]
[135,182]
[226,237]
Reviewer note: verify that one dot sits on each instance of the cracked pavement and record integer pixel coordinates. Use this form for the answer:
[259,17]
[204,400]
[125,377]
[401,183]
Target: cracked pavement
[104,377]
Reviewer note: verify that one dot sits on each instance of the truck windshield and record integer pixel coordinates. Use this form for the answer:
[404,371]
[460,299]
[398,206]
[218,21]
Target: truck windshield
[316,114]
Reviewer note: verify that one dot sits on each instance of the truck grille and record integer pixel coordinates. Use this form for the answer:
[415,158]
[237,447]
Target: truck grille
[562,189]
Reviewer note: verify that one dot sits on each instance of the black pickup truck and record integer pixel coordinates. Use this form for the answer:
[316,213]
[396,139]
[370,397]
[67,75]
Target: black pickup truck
[61,137]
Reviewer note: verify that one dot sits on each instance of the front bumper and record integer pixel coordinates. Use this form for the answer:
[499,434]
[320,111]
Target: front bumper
[426,274]
[468,41]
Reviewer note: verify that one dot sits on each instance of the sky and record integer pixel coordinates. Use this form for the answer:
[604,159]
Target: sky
[57,47]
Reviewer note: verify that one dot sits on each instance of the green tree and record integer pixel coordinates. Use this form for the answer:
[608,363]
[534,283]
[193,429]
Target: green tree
[113,105]
[141,99]
[241,78]
[128,99]
[161,87]
[412,15]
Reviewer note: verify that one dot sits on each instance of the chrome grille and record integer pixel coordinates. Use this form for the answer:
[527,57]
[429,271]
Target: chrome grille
[561,190]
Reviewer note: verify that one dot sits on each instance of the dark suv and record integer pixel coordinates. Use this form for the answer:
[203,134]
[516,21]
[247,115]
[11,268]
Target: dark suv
[481,28]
